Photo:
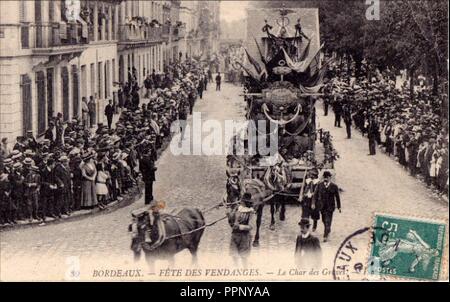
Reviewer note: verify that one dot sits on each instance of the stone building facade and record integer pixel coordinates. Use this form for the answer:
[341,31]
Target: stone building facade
[54,53]
[49,61]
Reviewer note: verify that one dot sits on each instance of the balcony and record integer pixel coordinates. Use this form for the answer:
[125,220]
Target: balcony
[58,38]
[166,31]
[139,34]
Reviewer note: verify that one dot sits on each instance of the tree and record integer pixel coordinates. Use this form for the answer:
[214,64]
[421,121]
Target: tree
[410,34]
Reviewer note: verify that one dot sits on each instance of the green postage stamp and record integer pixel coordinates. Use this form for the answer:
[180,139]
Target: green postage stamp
[406,247]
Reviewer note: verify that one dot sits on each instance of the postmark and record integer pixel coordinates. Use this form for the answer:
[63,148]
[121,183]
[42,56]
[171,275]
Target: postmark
[410,248]
[351,261]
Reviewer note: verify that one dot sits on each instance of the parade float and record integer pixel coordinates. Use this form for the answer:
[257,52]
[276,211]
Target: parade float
[284,71]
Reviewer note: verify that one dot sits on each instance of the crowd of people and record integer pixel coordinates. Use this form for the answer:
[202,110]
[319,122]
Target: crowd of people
[411,128]
[77,166]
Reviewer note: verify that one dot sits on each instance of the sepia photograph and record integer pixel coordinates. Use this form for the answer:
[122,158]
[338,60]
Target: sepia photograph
[225,141]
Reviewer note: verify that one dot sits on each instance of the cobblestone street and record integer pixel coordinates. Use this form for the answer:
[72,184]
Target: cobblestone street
[54,251]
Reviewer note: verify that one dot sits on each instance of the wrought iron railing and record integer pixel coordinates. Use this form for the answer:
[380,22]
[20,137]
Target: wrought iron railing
[130,33]
[60,34]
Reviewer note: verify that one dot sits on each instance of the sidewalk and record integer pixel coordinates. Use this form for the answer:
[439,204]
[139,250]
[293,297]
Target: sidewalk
[126,200]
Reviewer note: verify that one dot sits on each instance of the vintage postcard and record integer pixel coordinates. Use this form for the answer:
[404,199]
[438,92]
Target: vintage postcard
[224,140]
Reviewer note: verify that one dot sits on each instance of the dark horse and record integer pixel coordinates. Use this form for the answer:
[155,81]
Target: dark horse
[275,179]
[162,235]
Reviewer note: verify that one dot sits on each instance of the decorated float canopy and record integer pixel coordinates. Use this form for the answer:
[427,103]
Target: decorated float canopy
[284,45]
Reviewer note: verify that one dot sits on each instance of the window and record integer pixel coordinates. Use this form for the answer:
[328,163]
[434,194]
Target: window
[92,79]
[65,92]
[84,91]
[100,81]
[49,93]
[37,11]
[51,11]
[25,91]
[113,70]
[41,101]
[39,27]
[75,92]
[106,79]
[25,36]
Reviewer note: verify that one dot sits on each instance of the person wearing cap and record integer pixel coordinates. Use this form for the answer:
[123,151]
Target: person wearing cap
[77,180]
[16,182]
[19,145]
[30,141]
[308,253]
[63,194]
[348,120]
[239,219]
[337,108]
[50,133]
[125,173]
[48,190]
[147,168]
[5,196]
[32,184]
[114,173]
[311,182]
[326,200]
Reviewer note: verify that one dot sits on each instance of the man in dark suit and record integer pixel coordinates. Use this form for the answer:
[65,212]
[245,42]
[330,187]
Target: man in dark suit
[48,190]
[109,112]
[200,88]
[326,199]
[147,167]
[218,81]
[348,121]
[308,253]
[63,194]
[372,134]
[337,108]
[49,133]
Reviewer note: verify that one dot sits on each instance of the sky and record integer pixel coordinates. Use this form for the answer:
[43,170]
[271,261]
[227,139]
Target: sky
[233,10]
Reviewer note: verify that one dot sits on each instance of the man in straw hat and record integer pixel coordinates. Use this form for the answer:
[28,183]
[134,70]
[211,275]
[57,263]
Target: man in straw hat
[16,181]
[32,185]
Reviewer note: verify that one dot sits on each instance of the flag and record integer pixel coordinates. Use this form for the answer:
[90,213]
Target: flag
[296,66]
[263,59]
[253,62]
[305,53]
[302,66]
[316,79]
[253,69]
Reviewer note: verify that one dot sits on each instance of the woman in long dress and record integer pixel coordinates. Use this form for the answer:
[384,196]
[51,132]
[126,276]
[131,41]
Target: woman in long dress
[88,189]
